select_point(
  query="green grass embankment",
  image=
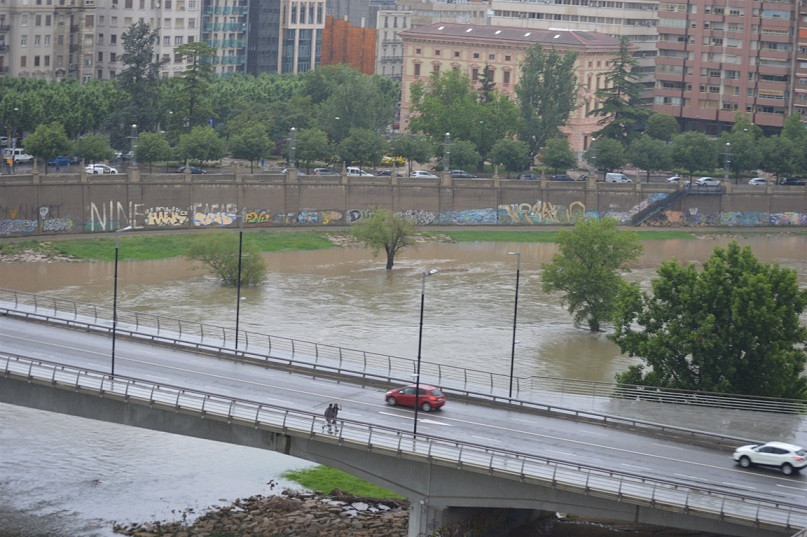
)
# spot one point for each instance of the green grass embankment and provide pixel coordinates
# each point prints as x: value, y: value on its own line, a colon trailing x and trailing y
x: 323, y: 479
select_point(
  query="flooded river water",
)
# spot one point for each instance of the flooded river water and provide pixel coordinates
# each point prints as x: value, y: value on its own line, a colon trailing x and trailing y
x: 58, y: 471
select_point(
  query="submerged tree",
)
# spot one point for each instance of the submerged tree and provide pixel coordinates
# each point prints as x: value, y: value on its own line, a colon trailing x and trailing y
x: 386, y: 230
x: 586, y: 269
x: 731, y: 328
x: 219, y: 253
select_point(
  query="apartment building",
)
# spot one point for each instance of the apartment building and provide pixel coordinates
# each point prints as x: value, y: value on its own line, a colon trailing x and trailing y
x: 800, y: 73
x: 224, y: 27
x: 470, y: 48
x: 635, y: 19
x: 389, y: 44
x: 720, y: 58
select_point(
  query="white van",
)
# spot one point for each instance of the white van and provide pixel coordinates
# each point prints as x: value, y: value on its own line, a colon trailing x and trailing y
x: 617, y: 178
x: 357, y: 171
x: 19, y: 155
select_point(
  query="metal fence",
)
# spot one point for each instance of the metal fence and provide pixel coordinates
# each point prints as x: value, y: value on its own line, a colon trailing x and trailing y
x: 744, y: 509
x: 268, y: 346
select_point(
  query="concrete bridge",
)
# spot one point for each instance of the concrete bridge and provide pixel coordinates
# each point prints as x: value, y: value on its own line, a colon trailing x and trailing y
x: 446, y: 480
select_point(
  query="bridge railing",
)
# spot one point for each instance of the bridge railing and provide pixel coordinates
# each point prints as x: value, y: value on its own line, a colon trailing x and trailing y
x: 264, y: 346
x: 744, y: 509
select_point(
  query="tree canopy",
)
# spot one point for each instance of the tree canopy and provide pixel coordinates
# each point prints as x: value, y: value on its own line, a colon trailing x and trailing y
x: 586, y: 269
x: 218, y: 252
x: 384, y: 229
x: 732, y: 327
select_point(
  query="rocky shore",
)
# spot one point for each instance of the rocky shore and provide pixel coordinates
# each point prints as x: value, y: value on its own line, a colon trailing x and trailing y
x: 337, y: 514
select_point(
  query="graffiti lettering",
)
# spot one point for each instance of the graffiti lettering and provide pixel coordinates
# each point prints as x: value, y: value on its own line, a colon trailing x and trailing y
x: 57, y: 224
x: 258, y: 218
x: 421, y: 218
x: 116, y: 217
x: 214, y: 218
x: 11, y: 227
x: 165, y: 216
x: 314, y: 216
x: 542, y: 212
x: 354, y: 215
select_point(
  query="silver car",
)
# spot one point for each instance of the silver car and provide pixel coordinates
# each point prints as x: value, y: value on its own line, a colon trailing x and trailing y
x: 787, y: 457
x: 708, y: 181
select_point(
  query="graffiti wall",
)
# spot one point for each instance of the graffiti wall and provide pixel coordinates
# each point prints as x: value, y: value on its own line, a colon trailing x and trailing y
x: 90, y: 208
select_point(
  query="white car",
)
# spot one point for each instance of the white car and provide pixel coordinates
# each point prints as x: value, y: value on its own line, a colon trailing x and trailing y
x: 708, y: 181
x: 758, y: 181
x: 674, y: 179
x: 423, y: 174
x: 787, y: 457
x: 100, y: 169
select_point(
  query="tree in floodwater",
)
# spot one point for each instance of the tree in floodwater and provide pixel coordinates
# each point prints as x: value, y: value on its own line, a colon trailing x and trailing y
x: 218, y: 252
x: 386, y: 230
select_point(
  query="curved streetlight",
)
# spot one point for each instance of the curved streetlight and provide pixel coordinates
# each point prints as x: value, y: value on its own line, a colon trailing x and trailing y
x: 115, y: 296
x: 420, y: 343
x: 292, y: 147
x: 447, y: 152
x: 241, y: 216
x: 726, y: 161
x: 515, y: 317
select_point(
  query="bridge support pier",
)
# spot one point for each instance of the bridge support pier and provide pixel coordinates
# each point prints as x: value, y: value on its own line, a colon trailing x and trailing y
x: 426, y: 518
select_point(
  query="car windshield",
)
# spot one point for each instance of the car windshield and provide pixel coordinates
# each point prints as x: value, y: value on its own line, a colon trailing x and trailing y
x: 436, y: 392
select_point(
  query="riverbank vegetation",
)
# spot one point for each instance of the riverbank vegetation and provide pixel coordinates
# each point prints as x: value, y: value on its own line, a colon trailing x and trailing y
x: 153, y: 246
x: 323, y: 479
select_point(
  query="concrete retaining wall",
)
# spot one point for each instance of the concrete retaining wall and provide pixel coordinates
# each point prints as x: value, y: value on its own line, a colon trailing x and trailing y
x: 77, y: 203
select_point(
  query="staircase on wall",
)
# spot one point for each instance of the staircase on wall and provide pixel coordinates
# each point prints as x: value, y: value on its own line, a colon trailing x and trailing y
x: 658, y: 206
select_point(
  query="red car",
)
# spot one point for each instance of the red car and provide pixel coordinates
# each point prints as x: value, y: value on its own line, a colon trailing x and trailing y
x: 430, y: 398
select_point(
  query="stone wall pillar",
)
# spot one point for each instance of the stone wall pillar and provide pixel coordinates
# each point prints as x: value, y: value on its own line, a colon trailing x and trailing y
x: 134, y: 174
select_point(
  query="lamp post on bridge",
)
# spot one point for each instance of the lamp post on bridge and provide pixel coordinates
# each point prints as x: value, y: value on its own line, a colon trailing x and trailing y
x: 115, y: 297
x: 515, y: 317
x: 726, y: 161
x: 420, y: 342
x: 241, y: 216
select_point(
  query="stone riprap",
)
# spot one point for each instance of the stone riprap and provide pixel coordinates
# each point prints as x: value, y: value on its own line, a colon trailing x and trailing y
x: 289, y: 514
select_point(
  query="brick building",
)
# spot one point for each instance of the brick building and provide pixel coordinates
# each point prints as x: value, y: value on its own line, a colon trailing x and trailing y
x: 343, y: 43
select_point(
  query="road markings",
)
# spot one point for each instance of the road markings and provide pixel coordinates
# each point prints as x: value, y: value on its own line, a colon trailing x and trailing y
x: 486, y: 439
x: 566, y: 453
x: 735, y: 485
x: 794, y: 488
x: 695, y: 478
x: 637, y: 467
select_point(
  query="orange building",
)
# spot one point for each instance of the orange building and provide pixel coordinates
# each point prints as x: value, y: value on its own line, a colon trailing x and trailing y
x: 470, y: 48
x: 343, y: 43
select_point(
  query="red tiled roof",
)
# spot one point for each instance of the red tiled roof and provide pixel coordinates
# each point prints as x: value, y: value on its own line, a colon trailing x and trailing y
x: 566, y: 39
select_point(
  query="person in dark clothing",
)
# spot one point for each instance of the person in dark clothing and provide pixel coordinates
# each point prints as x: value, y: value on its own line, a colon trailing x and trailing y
x: 334, y: 412
x: 328, y: 416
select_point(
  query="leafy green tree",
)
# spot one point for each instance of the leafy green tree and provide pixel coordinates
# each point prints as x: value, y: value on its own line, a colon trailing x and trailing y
x: 312, y: 145
x: 251, y: 144
x: 363, y: 145
x: 547, y: 95
x: 412, y: 147
x: 743, y: 151
x: 649, y: 154
x: 693, y: 151
x: 586, y: 268
x: 512, y: 154
x: 464, y: 155
x: 201, y: 144
x: 152, y: 147
x: 731, y: 328
x: 94, y: 147
x: 557, y: 155
x: 661, y: 127
x: 48, y: 141
x: 781, y: 156
x: 386, y: 230
x: 795, y: 132
x: 218, y: 252
x: 140, y: 77
x: 498, y: 119
x: 620, y: 111
x: 196, y: 106
x: 606, y: 154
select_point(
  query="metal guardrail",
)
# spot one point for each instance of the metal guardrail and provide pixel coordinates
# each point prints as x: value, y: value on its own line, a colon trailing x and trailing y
x: 507, y: 464
x: 203, y: 335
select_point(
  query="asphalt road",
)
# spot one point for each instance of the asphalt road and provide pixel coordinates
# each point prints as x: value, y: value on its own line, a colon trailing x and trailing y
x: 557, y: 438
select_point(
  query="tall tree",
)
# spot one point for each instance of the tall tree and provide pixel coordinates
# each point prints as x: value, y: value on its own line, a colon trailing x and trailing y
x: 48, y: 141
x: 363, y: 145
x: 649, y: 154
x: 201, y: 144
x: 731, y: 328
x: 693, y: 151
x: 606, y: 154
x: 312, y: 145
x: 152, y: 147
x: 386, y: 230
x: 662, y: 127
x: 219, y: 253
x: 94, y: 147
x: 547, y: 95
x: 557, y: 155
x: 140, y: 77
x: 412, y: 147
x: 512, y: 154
x: 620, y: 110
x: 487, y: 86
x: 196, y: 82
x: 586, y: 269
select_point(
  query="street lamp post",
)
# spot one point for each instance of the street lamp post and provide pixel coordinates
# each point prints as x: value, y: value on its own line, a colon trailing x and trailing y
x: 515, y: 318
x: 133, y: 136
x: 238, y: 292
x: 115, y: 296
x: 726, y: 161
x: 447, y: 153
x: 420, y: 344
x: 292, y: 146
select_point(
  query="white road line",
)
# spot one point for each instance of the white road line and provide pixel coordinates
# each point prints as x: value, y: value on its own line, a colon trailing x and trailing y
x: 637, y: 467
x: 794, y: 488
x: 396, y: 415
x: 691, y: 477
x: 560, y: 452
x: 738, y: 486
x: 486, y: 439
x: 665, y: 446
x: 426, y: 420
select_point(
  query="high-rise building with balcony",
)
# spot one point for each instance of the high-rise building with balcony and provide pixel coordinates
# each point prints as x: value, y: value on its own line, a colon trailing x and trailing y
x: 224, y: 27
x: 718, y: 59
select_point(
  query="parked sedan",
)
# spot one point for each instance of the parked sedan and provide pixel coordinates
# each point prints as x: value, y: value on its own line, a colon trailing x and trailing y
x: 708, y: 181
x: 787, y: 457
x: 100, y: 169
x: 423, y: 174
x: 560, y: 177
x: 462, y: 174
x: 792, y: 181
x: 674, y: 179
x: 192, y: 169
x: 429, y: 398
x: 528, y: 177
x: 758, y: 181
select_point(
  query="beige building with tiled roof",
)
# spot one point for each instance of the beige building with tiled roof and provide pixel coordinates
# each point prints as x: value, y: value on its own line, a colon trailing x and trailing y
x: 470, y: 47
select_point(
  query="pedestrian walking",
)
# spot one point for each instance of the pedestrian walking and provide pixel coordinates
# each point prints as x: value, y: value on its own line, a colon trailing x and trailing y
x: 328, y: 417
x: 335, y: 412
